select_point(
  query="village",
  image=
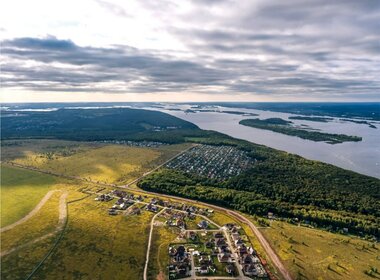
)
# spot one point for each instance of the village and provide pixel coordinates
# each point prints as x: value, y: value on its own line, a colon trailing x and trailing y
x: 214, y: 252
x: 141, y: 144
x: 202, y: 248
x: 214, y: 162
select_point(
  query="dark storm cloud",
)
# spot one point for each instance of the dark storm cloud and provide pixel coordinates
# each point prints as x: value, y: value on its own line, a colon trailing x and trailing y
x: 291, y: 48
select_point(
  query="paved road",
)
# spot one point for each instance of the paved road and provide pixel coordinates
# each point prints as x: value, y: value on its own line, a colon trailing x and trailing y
x: 61, y: 221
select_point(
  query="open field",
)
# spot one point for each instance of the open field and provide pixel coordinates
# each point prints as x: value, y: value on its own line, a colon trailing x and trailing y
x: 159, y: 258
x: 98, y: 245
x: 21, y: 190
x: 26, y: 244
x: 43, y: 222
x: 316, y: 254
x: 13, y: 149
x: 96, y: 162
x: 116, y: 244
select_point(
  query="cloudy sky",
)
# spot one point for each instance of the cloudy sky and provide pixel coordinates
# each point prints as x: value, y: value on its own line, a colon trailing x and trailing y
x: 150, y: 50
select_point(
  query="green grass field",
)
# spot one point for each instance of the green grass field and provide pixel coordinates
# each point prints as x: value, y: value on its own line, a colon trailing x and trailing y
x: 21, y: 190
x: 97, y: 162
x: 316, y: 254
x: 25, y: 238
x: 162, y: 237
x: 99, y: 246
x: 13, y: 149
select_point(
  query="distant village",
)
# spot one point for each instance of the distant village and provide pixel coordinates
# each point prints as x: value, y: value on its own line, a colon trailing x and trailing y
x: 142, y: 144
x: 214, y: 162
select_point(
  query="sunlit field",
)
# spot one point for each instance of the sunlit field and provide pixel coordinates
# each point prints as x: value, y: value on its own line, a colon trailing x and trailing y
x: 316, y: 254
x: 21, y: 190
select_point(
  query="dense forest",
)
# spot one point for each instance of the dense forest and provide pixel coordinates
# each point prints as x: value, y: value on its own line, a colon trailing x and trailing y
x: 285, y: 127
x: 95, y: 124
x: 287, y: 185
x: 312, y: 119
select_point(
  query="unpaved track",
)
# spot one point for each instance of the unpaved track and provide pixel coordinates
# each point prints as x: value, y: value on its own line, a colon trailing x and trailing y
x: 150, y: 243
x: 266, y: 246
x: 31, y: 213
x: 61, y: 221
x: 268, y: 249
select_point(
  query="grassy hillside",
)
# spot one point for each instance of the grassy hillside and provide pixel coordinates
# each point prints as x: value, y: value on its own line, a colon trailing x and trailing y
x: 18, y: 264
x: 98, y: 162
x: 21, y: 190
x: 13, y: 149
x: 316, y: 254
x: 97, y: 245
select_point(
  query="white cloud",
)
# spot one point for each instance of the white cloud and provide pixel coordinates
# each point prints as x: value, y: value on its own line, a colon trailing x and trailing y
x: 300, y: 48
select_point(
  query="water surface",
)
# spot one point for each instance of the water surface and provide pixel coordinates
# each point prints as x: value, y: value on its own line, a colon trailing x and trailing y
x: 362, y: 157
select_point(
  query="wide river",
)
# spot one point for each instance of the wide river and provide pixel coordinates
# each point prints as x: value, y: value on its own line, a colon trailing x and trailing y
x: 362, y: 157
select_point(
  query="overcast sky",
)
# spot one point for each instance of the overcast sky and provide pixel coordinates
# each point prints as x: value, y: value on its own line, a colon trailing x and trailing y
x: 121, y: 50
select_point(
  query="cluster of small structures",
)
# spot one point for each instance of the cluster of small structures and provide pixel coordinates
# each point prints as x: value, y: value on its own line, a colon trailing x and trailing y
x: 177, y: 219
x: 214, y: 252
x: 143, y: 144
x: 164, y: 128
x: 215, y: 256
x: 248, y: 260
x: 215, y: 162
x: 180, y: 262
x: 124, y: 200
x: 202, y: 247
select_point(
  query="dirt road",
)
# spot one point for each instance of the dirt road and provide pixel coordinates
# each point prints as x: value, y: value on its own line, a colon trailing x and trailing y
x: 61, y: 221
x: 271, y: 254
x: 31, y: 213
x: 150, y: 243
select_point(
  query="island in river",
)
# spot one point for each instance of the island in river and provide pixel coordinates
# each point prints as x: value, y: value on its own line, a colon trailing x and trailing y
x: 285, y: 127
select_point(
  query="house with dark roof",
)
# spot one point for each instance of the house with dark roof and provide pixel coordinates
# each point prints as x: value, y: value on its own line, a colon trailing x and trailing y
x: 203, y: 269
x: 250, y: 270
x: 230, y: 269
x: 220, y: 242
x: 224, y: 257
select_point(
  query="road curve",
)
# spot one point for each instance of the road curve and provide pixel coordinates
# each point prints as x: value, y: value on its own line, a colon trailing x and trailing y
x: 61, y: 221
x: 31, y: 213
x: 268, y: 249
x: 264, y: 243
